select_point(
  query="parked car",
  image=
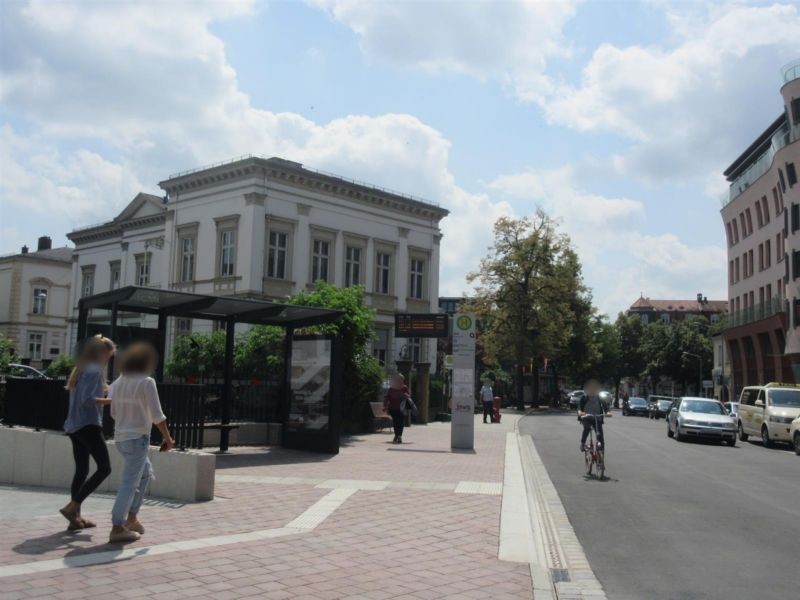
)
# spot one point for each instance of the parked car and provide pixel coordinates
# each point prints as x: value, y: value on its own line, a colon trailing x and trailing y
x: 700, y: 418
x: 18, y: 371
x: 795, y: 431
x: 575, y: 399
x: 733, y: 410
x: 658, y: 406
x: 634, y: 406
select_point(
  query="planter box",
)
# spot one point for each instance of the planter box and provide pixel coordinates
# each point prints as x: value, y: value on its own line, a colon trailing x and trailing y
x: 44, y: 458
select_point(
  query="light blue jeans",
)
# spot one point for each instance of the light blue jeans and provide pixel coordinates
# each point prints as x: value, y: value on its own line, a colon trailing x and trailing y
x: 136, y: 475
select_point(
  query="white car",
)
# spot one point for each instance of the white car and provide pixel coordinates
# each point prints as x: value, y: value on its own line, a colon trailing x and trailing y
x: 701, y: 418
x: 768, y: 411
x: 795, y: 432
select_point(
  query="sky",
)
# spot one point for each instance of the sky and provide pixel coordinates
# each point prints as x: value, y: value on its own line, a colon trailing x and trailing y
x: 617, y: 118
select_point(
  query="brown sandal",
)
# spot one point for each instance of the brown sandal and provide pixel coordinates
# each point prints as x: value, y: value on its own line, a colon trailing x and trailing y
x: 87, y: 524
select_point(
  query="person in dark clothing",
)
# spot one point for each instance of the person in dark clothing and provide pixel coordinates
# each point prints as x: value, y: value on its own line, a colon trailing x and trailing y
x: 86, y: 384
x: 396, y: 402
x: 487, y: 395
x: 591, y: 404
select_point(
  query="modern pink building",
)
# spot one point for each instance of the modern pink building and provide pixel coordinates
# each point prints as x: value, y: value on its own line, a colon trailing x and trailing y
x: 761, y: 216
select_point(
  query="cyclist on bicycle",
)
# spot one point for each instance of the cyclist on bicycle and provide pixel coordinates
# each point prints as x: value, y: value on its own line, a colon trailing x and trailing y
x: 591, y: 404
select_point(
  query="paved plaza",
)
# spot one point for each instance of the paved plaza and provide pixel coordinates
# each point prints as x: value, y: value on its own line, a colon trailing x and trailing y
x: 416, y: 521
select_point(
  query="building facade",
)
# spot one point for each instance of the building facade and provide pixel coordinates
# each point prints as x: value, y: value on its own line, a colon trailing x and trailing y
x: 269, y: 228
x: 761, y: 216
x: 34, y: 305
x: 668, y: 311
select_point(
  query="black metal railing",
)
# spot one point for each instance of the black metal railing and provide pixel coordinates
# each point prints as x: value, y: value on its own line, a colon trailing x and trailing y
x: 251, y: 402
x: 754, y: 313
x: 44, y: 403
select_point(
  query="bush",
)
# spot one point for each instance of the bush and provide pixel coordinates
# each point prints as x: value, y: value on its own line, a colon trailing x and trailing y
x: 198, y: 355
x: 61, y: 367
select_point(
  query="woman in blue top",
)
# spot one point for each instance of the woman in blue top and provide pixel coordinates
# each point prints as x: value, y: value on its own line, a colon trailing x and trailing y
x: 84, y: 423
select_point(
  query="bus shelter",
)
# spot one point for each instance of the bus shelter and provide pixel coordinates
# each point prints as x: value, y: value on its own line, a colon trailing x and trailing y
x: 311, y: 403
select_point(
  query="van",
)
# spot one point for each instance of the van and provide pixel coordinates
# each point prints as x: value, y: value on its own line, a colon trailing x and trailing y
x: 768, y: 411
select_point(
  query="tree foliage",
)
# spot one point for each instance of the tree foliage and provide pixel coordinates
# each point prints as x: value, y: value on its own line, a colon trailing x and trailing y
x: 528, y: 294
x: 61, y: 367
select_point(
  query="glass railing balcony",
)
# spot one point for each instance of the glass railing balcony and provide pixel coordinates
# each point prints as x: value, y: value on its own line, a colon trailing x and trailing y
x: 754, y: 313
x: 783, y: 137
x: 791, y: 71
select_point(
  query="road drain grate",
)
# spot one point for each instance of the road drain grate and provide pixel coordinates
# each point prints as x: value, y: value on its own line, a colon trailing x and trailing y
x: 559, y: 575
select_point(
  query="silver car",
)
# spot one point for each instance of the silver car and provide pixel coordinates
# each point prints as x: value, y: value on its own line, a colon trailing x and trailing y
x: 701, y: 418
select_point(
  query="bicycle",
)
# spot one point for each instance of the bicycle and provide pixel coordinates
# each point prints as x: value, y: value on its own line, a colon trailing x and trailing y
x: 593, y: 455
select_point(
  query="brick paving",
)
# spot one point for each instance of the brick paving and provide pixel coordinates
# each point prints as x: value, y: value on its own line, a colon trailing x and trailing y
x: 396, y: 542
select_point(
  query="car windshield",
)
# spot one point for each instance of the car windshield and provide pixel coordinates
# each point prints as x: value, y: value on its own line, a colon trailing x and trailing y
x: 787, y: 398
x: 637, y: 402
x: 702, y: 406
x: 664, y: 403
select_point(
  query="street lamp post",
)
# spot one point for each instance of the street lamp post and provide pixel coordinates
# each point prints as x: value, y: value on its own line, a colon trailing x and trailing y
x: 699, y: 369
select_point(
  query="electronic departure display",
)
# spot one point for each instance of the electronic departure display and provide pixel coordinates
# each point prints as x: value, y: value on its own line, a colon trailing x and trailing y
x: 422, y: 325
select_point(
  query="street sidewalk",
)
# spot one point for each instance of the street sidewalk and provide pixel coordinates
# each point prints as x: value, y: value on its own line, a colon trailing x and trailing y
x: 415, y: 521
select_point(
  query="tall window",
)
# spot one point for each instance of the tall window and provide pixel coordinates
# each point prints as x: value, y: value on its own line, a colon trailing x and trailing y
x: 320, y: 259
x: 276, y: 256
x: 143, y: 269
x: 187, y: 245
x: 414, y: 350
x: 227, y: 253
x: 87, y: 282
x: 114, y: 274
x: 380, y: 345
x: 35, y: 345
x: 39, y: 301
x: 352, y: 266
x: 417, y: 278
x: 183, y: 327
x: 383, y: 264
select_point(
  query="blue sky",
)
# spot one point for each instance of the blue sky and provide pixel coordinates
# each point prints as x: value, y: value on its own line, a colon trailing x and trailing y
x: 616, y: 117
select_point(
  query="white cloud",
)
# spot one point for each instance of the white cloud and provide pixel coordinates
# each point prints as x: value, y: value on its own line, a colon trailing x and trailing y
x: 687, y: 108
x: 509, y: 41
x: 618, y: 262
x: 159, y: 98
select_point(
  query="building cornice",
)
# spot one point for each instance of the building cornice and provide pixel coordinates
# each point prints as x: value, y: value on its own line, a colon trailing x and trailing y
x: 114, y: 229
x: 293, y: 174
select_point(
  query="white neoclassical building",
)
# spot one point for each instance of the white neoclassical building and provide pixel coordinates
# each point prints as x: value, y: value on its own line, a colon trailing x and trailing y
x: 35, y: 301
x: 267, y: 228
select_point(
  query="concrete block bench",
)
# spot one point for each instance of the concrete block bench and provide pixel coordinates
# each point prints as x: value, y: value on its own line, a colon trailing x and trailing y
x: 44, y: 458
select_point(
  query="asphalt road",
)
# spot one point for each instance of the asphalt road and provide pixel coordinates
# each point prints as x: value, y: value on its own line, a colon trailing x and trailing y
x: 678, y: 520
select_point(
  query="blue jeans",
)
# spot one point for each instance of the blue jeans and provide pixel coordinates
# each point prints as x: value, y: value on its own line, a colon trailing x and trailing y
x: 136, y: 474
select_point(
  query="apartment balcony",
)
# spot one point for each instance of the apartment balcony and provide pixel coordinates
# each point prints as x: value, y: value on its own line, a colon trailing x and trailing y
x: 754, y: 313
x: 791, y: 71
x: 783, y: 137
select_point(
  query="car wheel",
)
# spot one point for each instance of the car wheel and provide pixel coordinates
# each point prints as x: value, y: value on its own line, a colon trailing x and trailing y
x: 731, y: 442
x: 669, y: 431
x: 765, y: 437
x: 678, y: 437
x: 797, y: 443
x: 742, y: 435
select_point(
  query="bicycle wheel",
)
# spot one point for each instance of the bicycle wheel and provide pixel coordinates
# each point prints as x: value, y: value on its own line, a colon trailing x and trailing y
x: 601, y: 464
x: 588, y: 457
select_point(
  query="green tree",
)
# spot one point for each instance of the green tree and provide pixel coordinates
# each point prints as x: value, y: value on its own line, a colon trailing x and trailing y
x: 199, y: 355
x: 258, y: 353
x: 5, y: 353
x: 528, y: 285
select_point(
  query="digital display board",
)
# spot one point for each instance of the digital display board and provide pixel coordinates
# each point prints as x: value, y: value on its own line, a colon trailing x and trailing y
x: 421, y: 325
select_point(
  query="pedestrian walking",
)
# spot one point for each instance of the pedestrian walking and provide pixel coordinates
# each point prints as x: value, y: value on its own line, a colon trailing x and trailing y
x: 487, y: 395
x: 396, y: 402
x: 135, y: 407
x: 84, y: 426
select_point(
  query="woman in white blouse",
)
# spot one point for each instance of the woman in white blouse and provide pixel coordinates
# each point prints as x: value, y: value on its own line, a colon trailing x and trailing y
x: 135, y: 407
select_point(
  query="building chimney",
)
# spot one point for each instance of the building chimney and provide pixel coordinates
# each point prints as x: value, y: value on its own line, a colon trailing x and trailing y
x: 24, y: 249
x: 45, y: 243
x: 699, y: 298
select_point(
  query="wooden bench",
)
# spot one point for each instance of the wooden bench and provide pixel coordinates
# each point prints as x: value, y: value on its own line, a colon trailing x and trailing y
x: 380, y: 418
